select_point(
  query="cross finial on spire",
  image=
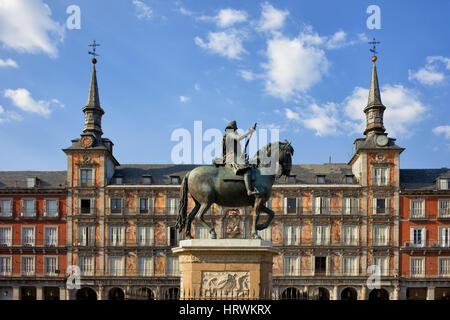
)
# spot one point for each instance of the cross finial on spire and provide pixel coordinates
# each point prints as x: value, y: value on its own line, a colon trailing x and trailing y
x: 94, y: 45
x: 373, y: 49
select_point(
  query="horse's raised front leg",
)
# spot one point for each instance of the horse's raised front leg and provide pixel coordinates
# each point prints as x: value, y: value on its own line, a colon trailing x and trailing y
x: 203, y: 208
x: 271, y: 214
x: 256, y: 212
x: 191, y: 217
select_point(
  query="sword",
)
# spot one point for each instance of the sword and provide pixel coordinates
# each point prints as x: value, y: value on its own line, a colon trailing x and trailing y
x: 246, y: 143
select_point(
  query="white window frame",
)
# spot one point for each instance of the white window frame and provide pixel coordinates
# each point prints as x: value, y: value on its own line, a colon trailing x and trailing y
x: 56, y: 240
x: 3, y: 211
x: 116, y: 265
x: 414, y: 236
x: 321, y: 205
x: 291, y: 265
x: 122, y: 206
x: 145, y: 235
x: 383, y: 264
x: 46, y: 272
x: 387, y: 206
x: 143, y: 271
x: 350, y: 235
x: 172, y: 268
x: 297, y: 202
x: 8, y: 237
x: 91, y: 206
x: 444, y: 208
x: 417, y: 264
x: 444, y: 236
x: 321, y: 234
x: 266, y: 234
x: 25, y: 213
x: 86, y: 235
x: 291, y: 235
x: 444, y: 265
x: 350, y: 205
x: 443, y: 184
x: 23, y: 242
x: 201, y: 232
x: 33, y: 265
x: 350, y: 266
x: 380, y: 176
x: 46, y: 207
x: 86, y: 264
x: 172, y: 205
x: 116, y: 236
x: 417, y: 208
x: 379, y: 236
x: 8, y: 268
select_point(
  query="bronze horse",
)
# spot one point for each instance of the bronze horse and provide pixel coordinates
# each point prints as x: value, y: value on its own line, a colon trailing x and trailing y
x: 219, y: 185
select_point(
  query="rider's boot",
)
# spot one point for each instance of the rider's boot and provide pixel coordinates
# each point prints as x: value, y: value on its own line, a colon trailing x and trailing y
x: 249, y: 186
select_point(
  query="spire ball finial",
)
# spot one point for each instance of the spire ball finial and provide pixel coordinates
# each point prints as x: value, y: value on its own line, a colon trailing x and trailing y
x: 374, y: 58
x: 94, y: 61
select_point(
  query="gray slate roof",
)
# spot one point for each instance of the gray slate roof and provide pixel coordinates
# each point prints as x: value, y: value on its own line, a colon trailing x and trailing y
x: 47, y: 179
x: 421, y: 179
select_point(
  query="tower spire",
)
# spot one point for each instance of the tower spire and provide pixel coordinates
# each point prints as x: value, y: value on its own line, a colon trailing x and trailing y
x: 92, y: 111
x: 375, y: 109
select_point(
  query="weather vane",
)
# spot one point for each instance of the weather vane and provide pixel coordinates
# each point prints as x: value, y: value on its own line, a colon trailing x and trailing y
x: 373, y: 49
x: 93, y: 53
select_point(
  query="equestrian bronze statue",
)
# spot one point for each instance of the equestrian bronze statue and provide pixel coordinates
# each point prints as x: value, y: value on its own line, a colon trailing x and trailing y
x: 226, y: 186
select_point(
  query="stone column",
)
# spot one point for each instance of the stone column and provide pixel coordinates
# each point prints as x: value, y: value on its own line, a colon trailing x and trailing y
x: 39, y: 293
x: 363, y: 293
x: 63, y: 293
x: 430, y: 293
x: 335, y: 293
x: 100, y: 293
x: 16, y: 293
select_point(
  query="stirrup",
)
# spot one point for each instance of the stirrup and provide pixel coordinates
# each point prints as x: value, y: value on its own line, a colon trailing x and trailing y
x: 253, y: 193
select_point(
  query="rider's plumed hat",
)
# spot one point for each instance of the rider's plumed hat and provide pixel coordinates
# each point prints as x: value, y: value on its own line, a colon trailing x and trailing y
x: 231, y: 125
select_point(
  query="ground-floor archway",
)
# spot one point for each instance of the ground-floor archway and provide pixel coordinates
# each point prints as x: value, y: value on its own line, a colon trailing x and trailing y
x: 143, y: 294
x: 416, y: 294
x: 379, y: 295
x: 28, y: 293
x: 116, y: 294
x: 86, y: 293
x: 291, y: 293
x: 442, y: 294
x: 349, y: 294
x: 320, y: 293
x: 6, y: 293
x: 51, y: 293
x: 172, y: 294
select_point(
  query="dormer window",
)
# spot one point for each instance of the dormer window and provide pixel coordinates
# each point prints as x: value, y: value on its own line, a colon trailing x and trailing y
x: 443, y: 184
x: 147, y: 179
x: 349, y: 179
x: 119, y: 180
x: 174, y: 180
x: 32, y: 182
x: 320, y: 179
x: 291, y: 179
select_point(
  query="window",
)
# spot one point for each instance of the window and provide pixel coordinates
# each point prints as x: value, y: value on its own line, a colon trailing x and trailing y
x: 116, y: 265
x: 418, y: 236
x: 350, y: 266
x: 201, y: 232
x: 266, y: 234
x: 292, y: 179
x: 349, y: 179
x: 320, y: 179
x: 417, y: 267
x: 175, y: 180
x: 147, y: 180
x: 86, y: 236
x: 145, y: 205
x: 28, y: 207
x: 290, y: 235
x: 444, y: 208
x: 5, y: 266
x: 86, y: 264
x: 172, y: 266
x: 86, y: 206
x: 380, y: 177
x: 381, y: 206
x: 116, y: 206
x: 27, y: 266
x: 116, y: 236
x: 380, y: 236
x: 145, y: 266
x: 51, y: 208
x: 417, y: 209
x: 28, y: 236
x: 172, y: 206
x: 350, y: 205
x: 350, y: 235
x: 444, y: 237
x: 5, y: 208
x: 51, y: 236
x: 444, y: 267
x: 5, y: 236
x: 291, y: 205
x: 290, y: 265
x: 443, y: 184
x: 320, y: 265
x: 321, y: 205
x: 86, y: 177
x: 382, y: 263
x: 119, y: 180
x: 50, y: 265
x: 145, y: 235
x: 321, y: 235
x: 172, y: 239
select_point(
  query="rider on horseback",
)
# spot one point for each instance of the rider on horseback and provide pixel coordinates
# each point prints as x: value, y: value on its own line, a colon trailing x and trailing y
x: 233, y: 156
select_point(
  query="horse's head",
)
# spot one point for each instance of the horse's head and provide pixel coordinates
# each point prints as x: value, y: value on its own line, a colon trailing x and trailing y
x: 286, y: 152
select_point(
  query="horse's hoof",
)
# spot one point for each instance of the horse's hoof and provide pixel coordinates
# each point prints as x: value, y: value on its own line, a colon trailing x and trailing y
x: 213, y: 235
x: 189, y: 237
x: 255, y: 236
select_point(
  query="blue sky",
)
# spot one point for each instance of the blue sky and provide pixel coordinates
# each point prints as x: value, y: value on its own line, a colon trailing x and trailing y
x: 300, y: 66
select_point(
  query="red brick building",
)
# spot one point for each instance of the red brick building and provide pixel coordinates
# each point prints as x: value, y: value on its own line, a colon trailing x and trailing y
x: 32, y: 235
x: 425, y: 234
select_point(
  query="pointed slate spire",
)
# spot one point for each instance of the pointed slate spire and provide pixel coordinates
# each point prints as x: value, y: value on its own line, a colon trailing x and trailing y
x: 92, y: 111
x: 375, y: 109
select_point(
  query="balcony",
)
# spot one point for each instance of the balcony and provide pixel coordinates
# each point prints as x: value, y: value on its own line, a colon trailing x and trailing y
x: 326, y: 211
x: 418, y: 214
x: 444, y: 214
x: 425, y: 245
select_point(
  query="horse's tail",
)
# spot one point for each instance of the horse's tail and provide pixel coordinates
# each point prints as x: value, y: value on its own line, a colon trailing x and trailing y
x: 182, y: 208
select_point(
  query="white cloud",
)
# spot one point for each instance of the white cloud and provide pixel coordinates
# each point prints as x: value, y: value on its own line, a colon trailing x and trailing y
x: 271, y: 19
x: 323, y: 120
x: 143, y: 11
x: 293, y: 66
x: 8, y: 63
x: 432, y: 73
x: 247, y: 75
x: 184, y: 99
x: 228, y: 17
x: 291, y: 115
x: 225, y: 43
x: 339, y: 40
x: 26, y: 26
x: 445, y: 130
x: 197, y: 87
x: 6, y: 116
x: 21, y: 98
x: 403, y: 109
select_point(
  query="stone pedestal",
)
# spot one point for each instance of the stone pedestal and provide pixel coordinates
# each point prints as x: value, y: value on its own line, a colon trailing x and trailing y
x: 225, y: 268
